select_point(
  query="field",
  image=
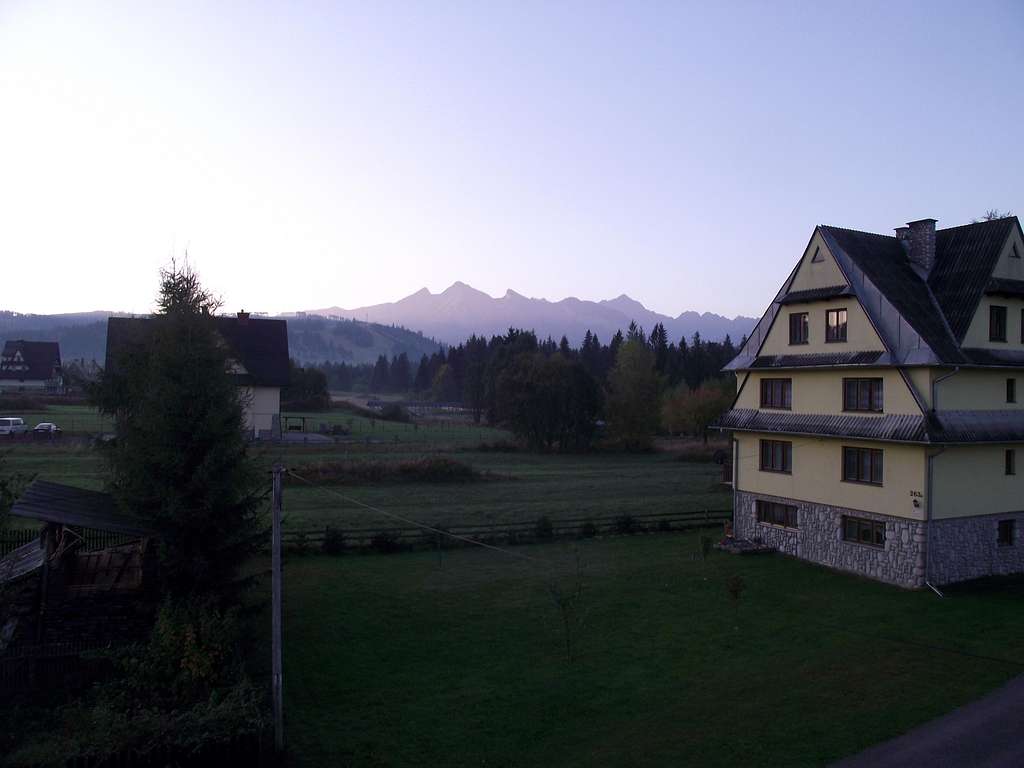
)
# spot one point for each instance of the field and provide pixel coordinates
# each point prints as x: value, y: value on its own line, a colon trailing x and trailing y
x: 461, y: 658
x: 402, y: 660
x: 517, y: 486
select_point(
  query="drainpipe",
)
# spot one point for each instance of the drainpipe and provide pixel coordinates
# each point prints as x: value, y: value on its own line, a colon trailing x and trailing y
x: 928, y: 522
x: 735, y: 480
x: 930, y: 483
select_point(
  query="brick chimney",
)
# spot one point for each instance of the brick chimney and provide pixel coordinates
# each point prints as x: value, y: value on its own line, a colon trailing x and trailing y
x: 918, y: 237
x: 243, y: 317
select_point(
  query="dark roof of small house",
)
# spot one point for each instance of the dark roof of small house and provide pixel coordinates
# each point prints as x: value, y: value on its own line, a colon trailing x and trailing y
x: 41, y: 357
x: 260, y: 345
x: 818, y: 360
x: 978, y: 426
x: 67, y: 505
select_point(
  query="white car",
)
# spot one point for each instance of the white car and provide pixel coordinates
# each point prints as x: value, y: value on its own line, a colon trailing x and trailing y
x: 12, y: 425
x: 46, y: 428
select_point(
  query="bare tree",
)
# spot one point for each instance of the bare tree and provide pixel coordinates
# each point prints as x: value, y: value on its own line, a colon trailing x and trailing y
x: 993, y: 214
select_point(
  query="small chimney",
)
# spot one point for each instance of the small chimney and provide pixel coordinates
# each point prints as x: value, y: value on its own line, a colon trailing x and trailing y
x: 920, y: 236
x: 243, y: 317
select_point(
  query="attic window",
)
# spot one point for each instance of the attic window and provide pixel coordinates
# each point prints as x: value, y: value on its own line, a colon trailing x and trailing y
x: 1013, y: 254
x: 996, y: 323
x: 818, y: 257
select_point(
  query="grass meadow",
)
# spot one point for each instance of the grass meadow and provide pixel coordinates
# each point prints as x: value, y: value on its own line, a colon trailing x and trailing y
x: 404, y: 660
x: 460, y: 658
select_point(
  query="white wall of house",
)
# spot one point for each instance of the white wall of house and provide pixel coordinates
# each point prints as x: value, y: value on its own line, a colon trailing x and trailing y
x: 261, y: 405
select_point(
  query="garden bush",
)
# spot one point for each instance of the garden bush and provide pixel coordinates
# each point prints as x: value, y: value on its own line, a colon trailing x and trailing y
x: 625, y: 524
x: 386, y: 542
x: 334, y: 542
x: 543, y: 529
x: 588, y: 530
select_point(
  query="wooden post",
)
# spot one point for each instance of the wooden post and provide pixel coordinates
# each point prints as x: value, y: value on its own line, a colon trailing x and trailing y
x: 275, y: 544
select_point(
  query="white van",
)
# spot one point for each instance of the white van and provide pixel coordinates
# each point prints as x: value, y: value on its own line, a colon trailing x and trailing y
x: 12, y: 425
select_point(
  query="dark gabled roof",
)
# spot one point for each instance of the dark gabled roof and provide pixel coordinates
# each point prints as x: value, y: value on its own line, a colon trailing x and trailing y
x: 67, y: 505
x: 894, y: 427
x: 964, y: 259
x: 42, y: 359
x: 816, y: 294
x: 1003, y: 286
x: 260, y: 345
x: 816, y: 360
x: 884, y: 262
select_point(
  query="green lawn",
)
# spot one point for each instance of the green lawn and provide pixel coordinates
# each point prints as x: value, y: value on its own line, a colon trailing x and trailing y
x: 525, y: 486
x: 397, y: 660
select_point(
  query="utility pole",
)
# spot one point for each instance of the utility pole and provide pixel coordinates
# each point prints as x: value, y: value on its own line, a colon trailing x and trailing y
x: 275, y: 558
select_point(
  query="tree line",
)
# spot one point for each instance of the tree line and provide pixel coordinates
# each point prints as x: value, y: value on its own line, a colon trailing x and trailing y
x: 552, y: 394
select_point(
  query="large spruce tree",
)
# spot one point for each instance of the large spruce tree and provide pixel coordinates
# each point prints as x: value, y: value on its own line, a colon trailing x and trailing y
x: 181, y: 458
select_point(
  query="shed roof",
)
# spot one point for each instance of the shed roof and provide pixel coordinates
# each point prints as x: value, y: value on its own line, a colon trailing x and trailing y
x: 67, y: 505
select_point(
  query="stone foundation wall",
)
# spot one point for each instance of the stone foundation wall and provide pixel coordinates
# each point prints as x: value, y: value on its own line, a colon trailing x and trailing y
x: 966, y: 548
x: 819, y: 539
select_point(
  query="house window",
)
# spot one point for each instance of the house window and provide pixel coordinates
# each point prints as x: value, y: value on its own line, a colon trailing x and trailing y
x: 798, y: 328
x: 996, y: 323
x: 817, y: 257
x: 835, y: 325
x: 862, y: 465
x: 1011, y: 461
x: 1013, y: 254
x: 773, y: 513
x: 1011, y: 390
x: 1004, y: 538
x: 776, y: 456
x: 862, y: 395
x: 864, y: 531
x: 777, y: 393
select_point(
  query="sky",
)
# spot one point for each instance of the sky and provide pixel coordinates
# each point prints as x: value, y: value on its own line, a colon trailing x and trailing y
x: 309, y: 155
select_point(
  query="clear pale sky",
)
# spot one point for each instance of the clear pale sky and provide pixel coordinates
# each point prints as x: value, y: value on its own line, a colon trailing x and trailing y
x: 318, y: 154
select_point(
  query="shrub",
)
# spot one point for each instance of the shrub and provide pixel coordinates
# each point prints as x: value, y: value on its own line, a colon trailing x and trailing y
x: 588, y: 530
x: 386, y: 542
x: 436, y: 469
x: 498, y: 446
x: 394, y: 412
x: 664, y: 525
x: 625, y: 524
x: 301, y: 542
x: 543, y: 529
x: 334, y: 542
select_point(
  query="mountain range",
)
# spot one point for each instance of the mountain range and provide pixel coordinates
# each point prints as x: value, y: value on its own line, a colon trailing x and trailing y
x: 461, y: 310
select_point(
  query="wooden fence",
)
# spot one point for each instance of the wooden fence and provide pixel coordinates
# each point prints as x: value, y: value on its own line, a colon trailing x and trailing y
x: 11, y: 539
x: 393, y: 539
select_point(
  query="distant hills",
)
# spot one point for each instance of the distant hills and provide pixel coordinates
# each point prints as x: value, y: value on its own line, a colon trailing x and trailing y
x: 310, y: 339
x: 461, y: 310
x: 360, y: 335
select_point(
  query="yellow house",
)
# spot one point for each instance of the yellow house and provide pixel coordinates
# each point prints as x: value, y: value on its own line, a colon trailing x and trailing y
x: 878, y: 416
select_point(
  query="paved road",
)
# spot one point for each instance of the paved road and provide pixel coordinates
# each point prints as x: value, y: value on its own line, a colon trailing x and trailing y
x: 987, y: 733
